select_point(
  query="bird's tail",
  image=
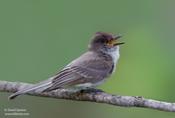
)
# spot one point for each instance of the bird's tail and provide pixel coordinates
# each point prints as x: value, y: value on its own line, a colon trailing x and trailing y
x: 37, y: 87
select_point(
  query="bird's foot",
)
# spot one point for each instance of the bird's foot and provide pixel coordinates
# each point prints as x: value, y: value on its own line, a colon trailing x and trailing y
x: 91, y: 90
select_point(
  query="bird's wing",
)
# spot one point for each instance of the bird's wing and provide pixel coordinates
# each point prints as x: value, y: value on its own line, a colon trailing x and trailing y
x: 90, y: 70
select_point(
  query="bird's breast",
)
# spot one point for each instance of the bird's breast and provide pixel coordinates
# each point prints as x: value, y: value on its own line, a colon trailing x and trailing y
x: 115, y: 56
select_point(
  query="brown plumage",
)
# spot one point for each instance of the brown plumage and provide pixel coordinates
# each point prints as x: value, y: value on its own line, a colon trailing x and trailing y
x: 89, y: 70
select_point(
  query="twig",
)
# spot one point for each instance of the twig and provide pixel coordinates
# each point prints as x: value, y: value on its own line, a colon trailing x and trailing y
x: 98, y: 97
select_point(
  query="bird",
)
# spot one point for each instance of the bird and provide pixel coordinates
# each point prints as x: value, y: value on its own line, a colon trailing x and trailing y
x: 89, y: 70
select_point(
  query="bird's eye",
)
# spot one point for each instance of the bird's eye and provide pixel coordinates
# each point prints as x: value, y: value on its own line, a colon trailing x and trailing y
x: 101, y: 40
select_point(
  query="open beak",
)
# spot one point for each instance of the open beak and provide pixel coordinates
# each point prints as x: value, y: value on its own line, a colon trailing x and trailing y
x: 115, y: 41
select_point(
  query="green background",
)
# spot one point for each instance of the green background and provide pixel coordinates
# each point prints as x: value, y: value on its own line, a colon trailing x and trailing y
x: 39, y: 37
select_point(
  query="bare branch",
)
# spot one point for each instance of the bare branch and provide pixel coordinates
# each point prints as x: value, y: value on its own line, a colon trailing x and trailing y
x: 98, y: 97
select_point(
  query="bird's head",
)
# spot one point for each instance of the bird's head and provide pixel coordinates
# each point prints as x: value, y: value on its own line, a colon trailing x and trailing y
x: 105, y: 42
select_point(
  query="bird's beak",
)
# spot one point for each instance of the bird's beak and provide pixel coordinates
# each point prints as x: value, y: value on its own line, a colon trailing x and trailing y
x: 115, y: 40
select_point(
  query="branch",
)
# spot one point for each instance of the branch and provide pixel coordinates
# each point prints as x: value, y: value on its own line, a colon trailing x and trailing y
x: 98, y: 97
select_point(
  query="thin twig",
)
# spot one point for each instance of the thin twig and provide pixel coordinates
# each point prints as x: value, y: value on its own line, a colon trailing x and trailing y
x: 98, y: 97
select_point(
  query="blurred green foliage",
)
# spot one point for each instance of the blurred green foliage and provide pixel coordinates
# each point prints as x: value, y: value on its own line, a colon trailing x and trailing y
x: 39, y: 37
